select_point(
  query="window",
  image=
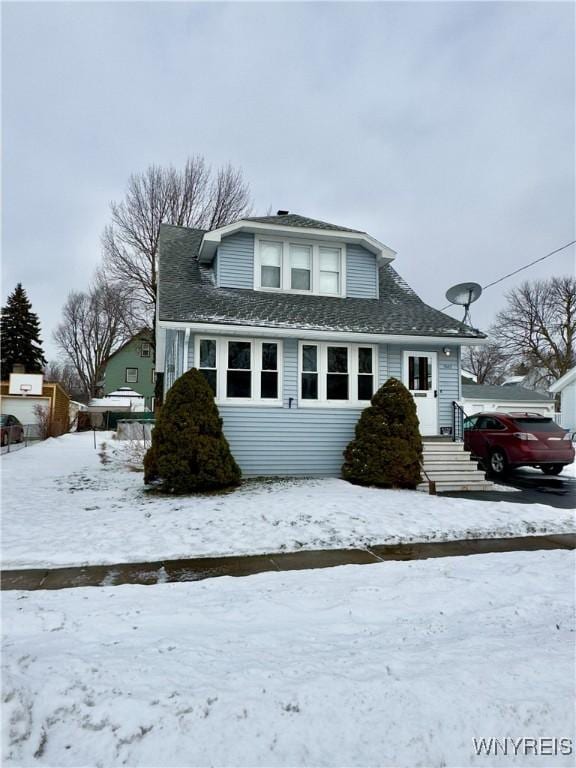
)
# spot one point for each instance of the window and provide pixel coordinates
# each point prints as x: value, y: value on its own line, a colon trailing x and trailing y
x: 419, y: 373
x: 207, y: 362
x: 145, y: 349
x: 365, y: 373
x: 241, y: 370
x: 270, y: 264
x: 239, y: 373
x: 131, y: 375
x: 309, y: 372
x: 336, y: 374
x: 269, y: 372
x: 153, y: 377
x: 330, y: 271
x: 300, y: 267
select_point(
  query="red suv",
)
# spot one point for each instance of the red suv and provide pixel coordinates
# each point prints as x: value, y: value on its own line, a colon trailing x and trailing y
x: 503, y: 440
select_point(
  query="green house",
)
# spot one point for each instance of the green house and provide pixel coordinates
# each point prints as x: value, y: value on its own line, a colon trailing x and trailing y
x: 132, y: 365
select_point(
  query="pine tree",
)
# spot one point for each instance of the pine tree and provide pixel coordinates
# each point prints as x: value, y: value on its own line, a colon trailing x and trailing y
x: 189, y: 452
x: 387, y: 448
x: 20, y: 335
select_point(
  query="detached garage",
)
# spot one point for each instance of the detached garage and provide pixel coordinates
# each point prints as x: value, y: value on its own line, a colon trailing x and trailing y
x: 50, y: 396
x: 512, y: 398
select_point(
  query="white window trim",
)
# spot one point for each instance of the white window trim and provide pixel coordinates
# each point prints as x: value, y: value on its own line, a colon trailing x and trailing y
x: 285, y: 274
x: 256, y: 370
x: 353, y: 372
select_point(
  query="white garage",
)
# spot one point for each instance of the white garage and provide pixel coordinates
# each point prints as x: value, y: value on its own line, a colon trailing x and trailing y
x: 23, y: 407
x: 511, y: 398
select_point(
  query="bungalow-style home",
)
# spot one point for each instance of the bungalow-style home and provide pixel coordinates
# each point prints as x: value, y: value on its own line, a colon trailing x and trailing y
x: 511, y: 397
x: 566, y: 388
x: 131, y: 366
x: 295, y: 323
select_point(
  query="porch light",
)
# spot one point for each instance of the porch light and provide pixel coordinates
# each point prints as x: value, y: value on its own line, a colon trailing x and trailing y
x: 447, y: 351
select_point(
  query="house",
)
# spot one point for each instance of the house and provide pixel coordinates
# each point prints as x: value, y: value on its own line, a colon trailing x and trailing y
x: 566, y: 388
x: 505, y: 398
x: 295, y: 323
x: 131, y: 365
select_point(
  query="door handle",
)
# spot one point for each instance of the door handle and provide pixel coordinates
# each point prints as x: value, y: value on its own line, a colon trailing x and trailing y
x: 435, y: 393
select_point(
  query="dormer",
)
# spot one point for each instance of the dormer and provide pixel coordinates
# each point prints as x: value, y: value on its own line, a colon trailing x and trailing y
x: 287, y: 253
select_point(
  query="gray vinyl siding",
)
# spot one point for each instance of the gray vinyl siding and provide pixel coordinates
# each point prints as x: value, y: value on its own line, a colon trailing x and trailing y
x: 287, y: 441
x: 361, y: 273
x: 235, y: 265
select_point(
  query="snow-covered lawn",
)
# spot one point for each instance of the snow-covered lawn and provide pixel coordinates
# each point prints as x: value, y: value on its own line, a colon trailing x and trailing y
x: 63, y: 506
x: 394, y: 664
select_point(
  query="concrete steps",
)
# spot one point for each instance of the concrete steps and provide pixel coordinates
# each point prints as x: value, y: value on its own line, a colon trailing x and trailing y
x: 450, y: 467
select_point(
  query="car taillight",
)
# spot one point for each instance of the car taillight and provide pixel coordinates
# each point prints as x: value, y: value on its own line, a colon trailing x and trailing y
x: 525, y: 436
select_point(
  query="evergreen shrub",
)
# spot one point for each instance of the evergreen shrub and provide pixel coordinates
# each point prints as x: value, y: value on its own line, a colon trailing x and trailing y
x: 189, y: 452
x: 387, y: 448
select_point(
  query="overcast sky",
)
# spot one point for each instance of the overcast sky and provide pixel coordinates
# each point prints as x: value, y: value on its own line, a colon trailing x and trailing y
x: 445, y: 130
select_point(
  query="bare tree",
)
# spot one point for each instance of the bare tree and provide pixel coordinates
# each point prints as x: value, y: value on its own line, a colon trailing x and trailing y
x: 65, y: 374
x: 488, y: 363
x: 94, y: 324
x: 192, y: 197
x: 537, y: 328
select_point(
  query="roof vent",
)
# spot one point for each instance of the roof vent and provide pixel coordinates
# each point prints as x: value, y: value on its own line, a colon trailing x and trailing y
x: 282, y: 213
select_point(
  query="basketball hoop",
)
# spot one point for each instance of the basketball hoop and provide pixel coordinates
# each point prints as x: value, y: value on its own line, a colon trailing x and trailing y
x: 25, y: 388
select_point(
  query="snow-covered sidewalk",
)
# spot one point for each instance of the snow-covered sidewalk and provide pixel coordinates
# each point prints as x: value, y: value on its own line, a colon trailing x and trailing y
x: 63, y: 506
x: 395, y: 664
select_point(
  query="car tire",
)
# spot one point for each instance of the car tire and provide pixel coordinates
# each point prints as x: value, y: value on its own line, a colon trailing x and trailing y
x: 552, y: 469
x: 497, y: 463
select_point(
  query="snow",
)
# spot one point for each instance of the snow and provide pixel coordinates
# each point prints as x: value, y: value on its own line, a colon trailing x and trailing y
x: 64, y: 506
x: 394, y: 664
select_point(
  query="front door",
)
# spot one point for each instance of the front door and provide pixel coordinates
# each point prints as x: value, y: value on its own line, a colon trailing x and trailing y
x: 420, y: 377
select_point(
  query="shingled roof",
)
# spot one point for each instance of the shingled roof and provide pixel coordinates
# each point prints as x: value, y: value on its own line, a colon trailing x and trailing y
x: 188, y: 293
x: 294, y: 220
x: 512, y: 393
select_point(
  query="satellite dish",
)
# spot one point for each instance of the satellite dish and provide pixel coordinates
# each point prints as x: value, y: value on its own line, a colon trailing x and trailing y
x: 463, y: 295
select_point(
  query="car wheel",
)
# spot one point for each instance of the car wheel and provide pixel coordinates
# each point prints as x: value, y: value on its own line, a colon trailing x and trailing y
x: 552, y: 469
x: 498, y: 463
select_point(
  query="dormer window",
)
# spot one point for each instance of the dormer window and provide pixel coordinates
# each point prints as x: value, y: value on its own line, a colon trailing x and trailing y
x: 294, y: 266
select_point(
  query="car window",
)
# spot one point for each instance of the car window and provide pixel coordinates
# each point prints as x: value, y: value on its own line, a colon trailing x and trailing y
x: 470, y: 422
x: 3, y: 420
x: 534, y: 424
x: 489, y: 422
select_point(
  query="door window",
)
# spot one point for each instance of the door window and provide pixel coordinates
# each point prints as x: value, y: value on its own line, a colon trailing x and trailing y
x: 419, y: 373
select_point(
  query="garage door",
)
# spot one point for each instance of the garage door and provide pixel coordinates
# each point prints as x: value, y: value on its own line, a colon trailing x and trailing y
x: 23, y: 407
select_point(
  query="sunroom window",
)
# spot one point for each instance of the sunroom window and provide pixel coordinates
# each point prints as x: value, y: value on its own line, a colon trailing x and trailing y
x: 337, y: 373
x: 241, y: 370
x: 207, y: 364
x: 333, y: 374
x: 239, y: 374
x: 269, y: 372
x: 310, y: 372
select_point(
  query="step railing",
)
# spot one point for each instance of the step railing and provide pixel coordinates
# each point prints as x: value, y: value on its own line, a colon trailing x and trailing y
x: 458, y: 417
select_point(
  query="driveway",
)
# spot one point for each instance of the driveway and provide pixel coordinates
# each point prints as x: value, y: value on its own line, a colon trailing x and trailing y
x: 532, y: 487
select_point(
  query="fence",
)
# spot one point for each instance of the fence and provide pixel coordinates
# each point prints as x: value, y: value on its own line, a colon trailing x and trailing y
x: 19, y: 436
x: 135, y: 429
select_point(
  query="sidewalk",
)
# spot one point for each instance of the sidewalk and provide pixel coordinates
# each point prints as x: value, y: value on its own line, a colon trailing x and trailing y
x: 196, y: 569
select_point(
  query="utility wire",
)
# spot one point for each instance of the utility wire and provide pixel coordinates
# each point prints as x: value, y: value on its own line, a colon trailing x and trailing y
x: 510, y: 274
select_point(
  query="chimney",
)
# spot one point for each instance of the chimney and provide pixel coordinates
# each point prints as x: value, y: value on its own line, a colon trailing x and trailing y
x: 282, y: 213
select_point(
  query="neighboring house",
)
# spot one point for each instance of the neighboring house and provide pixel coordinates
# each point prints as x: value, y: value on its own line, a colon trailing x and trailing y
x: 132, y: 365
x: 295, y: 323
x: 491, y: 397
x: 566, y: 388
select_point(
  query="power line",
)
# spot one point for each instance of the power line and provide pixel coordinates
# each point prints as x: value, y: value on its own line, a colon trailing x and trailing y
x: 510, y: 274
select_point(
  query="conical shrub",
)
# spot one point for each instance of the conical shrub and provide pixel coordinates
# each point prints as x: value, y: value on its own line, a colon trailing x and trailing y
x: 387, y: 448
x: 189, y: 452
